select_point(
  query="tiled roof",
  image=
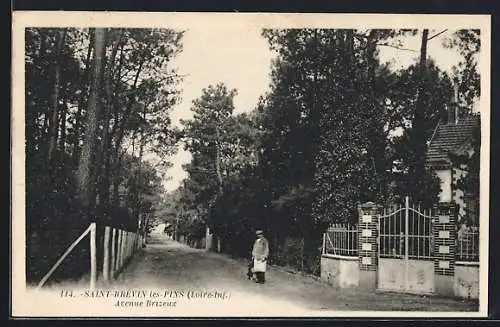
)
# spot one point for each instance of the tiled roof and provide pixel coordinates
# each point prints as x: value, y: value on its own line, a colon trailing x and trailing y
x: 449, y: 138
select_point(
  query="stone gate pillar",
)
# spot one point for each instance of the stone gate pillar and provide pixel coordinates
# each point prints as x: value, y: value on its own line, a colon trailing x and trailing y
x: 444, y: 232
x: 367, y: 245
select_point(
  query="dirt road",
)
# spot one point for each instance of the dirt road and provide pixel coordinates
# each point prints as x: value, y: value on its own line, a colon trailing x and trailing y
x: 175, y: 266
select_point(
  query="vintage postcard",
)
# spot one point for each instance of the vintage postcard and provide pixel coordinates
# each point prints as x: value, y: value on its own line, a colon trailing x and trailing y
x: 249, y: 165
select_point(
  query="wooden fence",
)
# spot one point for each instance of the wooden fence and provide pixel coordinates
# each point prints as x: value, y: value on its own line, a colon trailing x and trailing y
x: 110, y: 250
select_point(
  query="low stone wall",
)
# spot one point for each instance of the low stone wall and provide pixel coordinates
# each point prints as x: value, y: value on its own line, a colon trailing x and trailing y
x: 466, y: 281
x: 340, y: 271
x: 343, y: 271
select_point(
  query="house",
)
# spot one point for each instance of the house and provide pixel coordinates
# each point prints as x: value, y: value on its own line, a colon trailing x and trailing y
x: 453, y: 136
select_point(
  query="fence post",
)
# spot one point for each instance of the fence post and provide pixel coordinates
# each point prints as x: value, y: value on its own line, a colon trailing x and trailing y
x: 93, y: 255
x: 444, y: 232
x: 113, y: 253
x: 131, y: 244
x: 125, y: 248
x: 134, y: 236
x: 119, y: 251
x: 122, y: 253
x: 323, y: 250
x: 105, y: 265
x: 127, y: 241
x: 128, y: 245
x: 124, y: 241
x: 367, y: 245
x: 134, y: 246
x: 125, y: 252
x: 407, y: 230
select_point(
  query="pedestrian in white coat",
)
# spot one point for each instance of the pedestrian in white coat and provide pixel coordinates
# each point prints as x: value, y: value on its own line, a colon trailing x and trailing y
x: 260, y: 253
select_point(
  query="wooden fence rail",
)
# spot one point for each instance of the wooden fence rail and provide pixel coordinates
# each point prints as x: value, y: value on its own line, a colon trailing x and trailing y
x: 118, y: 247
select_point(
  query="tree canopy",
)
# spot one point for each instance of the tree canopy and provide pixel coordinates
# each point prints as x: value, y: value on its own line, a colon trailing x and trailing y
x: 337, y: 127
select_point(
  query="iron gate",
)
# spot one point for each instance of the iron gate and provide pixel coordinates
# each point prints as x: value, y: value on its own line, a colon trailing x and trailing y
x: 405, y: 249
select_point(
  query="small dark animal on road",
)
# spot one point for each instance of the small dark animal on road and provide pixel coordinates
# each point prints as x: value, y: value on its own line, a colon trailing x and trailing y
x: 250, y: 273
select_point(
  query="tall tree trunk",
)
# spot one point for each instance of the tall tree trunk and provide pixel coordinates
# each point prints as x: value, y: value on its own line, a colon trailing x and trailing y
x: 217, y: 161
x: 139, y: 177
x: 33, y: 115
x: 220, y: 184
x: 105, y: 159
x: 417, y: 162
x: 106, y: 144
x: 117, y: 165
x: 81, y: 100
x: 120, y: 129
x: 316, y: 109
x: 315, y: 130
x: 62, y: 128
x: 85, y: 165
x: 137, y: 196
x: 376, y: 135
x: 53, y: 125
x: 45, y: 102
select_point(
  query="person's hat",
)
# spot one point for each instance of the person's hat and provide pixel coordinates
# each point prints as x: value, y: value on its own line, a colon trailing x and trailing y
x: 259, y: 232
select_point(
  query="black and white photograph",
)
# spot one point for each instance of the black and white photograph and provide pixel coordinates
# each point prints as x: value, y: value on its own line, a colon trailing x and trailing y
x: 249, y: 165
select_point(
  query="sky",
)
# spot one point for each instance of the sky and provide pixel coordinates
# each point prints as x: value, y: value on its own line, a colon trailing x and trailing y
x: 241, y: 59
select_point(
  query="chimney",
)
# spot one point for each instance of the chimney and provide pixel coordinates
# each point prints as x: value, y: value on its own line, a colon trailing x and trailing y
x: 453, y: 108
x: 455, y: 103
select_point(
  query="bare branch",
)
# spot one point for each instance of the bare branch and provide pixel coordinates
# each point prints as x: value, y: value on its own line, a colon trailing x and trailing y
x: 396, y: 47
x: 437, y: 34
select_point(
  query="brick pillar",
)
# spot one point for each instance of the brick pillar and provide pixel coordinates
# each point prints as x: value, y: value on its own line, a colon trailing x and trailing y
x: 444, y: 232
x: 367, y: 245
